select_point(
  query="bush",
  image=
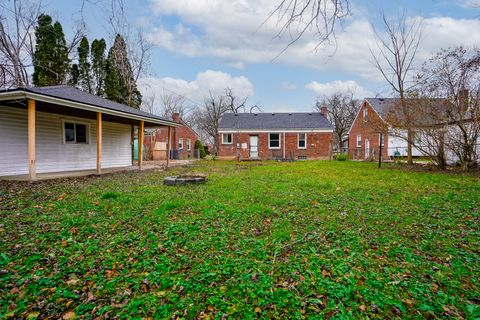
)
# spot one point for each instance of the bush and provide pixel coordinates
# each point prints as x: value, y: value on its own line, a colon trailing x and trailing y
x: 199, y: 145
x: 341, y: 157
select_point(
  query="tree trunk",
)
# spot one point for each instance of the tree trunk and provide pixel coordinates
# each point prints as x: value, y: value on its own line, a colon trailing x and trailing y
x: 409, y: 146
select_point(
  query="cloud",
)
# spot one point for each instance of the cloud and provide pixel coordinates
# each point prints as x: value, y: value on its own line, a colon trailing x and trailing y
x: 332, y: 87
x: 288, y: 86
x: 235, y: 32
x: 199, y: 88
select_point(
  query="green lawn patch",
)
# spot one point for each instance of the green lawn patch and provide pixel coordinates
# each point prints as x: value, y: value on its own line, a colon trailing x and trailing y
x: 319, y: 240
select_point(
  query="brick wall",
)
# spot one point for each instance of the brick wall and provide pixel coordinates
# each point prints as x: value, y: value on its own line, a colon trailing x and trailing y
x: 318, y: 146
x: 368, y: 128
x: 184, y: 132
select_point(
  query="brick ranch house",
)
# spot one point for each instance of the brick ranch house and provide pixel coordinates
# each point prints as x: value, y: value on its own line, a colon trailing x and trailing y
x: 60, y: 129
x: 294, y: 136
x: 183, y: 141
x: 364, y: 134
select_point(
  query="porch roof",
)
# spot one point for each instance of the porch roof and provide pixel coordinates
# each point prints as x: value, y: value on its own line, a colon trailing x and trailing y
x: 67, y: 96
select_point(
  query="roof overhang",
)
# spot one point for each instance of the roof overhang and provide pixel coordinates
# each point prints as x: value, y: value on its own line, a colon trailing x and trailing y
x: 21, y: 94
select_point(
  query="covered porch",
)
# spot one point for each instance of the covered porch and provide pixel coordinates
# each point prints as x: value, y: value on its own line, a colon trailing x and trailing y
x: 61, y: 131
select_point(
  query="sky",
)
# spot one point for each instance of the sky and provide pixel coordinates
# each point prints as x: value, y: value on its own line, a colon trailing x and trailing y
x: 203, y: 46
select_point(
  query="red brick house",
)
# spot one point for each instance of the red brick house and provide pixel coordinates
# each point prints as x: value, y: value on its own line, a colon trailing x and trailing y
x: 364, y: 134
x: 293, y: 136
x: 183, y: 141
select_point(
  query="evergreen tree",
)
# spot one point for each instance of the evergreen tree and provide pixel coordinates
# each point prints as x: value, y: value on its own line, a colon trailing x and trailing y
x: 98, y: 66
x: 198, y: 145
x: 84, y: 67
x: 50, y: 59
x: 112, y: 84
x: 120, y: 84
x: 74, y: 75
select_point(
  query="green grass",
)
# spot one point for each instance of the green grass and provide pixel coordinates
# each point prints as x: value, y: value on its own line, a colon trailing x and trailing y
x: 338, y: 240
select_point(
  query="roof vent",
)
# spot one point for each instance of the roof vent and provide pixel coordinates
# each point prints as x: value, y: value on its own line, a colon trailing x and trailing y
x: 235, y: 114
x: 309, y: 114
x: 381, y: 99
x: 255, y: 114
x: 273, y: 114
x: 289, y: 114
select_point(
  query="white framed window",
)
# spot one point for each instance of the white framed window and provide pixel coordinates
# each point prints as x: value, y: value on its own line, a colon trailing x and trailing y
x: 180, y: 144
x: 359, y: 140
x: 76, y: 132
x: 302, y: 141
x: 381, y: 139
x: 189, y: 144
x: 227, y: 138
x: 365, y: 114
x: 274, y: 141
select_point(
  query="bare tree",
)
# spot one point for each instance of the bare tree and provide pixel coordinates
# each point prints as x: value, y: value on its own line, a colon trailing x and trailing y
x: 171, y: 103
x: 454, y: 76
x: 394, y: 57
x: 342, y: 109
x: 207, y: 117
x: 296, y: 17
x: 17, y: 40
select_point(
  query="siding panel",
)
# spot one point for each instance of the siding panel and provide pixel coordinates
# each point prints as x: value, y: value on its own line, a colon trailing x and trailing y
x: 52, y: 154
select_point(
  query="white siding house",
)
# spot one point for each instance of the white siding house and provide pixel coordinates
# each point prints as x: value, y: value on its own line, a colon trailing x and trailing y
x: 64, y: 125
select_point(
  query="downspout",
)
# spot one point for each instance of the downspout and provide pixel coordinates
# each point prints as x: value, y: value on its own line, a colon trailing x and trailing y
x: 283, y: 145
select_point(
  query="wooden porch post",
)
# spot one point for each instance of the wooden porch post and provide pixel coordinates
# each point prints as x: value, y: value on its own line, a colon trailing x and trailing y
x: 31, y: 140
x: 132, y: 143
x: 169, y: 144
x: 140, y: 144
x: 99, y: 142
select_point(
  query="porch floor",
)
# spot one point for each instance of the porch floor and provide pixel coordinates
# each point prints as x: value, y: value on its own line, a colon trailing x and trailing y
x: 147, y: 165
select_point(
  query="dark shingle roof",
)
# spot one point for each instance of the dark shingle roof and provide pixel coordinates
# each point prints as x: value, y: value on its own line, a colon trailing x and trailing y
x: 258, y: 121
x: 427, y: 111
x: 75, y: 95
x: 383, y: 105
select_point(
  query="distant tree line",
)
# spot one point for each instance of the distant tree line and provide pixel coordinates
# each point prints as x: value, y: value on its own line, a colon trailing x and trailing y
x: 108, y: 76
x: 31, y: 39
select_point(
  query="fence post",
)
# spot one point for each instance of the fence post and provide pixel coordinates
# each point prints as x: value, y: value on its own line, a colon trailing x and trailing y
x: 380, y: 153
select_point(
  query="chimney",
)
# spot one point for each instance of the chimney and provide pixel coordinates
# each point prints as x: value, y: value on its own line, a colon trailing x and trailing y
x: 176, y: 117
x: 324, y: 111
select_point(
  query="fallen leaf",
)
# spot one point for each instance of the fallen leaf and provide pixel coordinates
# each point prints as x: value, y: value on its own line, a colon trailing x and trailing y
x: 362, y: 307
x: 69, y: 315
x: 258, y: 310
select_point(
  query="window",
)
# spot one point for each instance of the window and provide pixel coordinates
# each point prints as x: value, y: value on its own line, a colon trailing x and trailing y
x: 302, y: 141
x: 227, y: 138
x: 180, y: 143
x: 381, y: 139
x: 365, y: 114
x: 75, y: 132
x: 359, y: 141
x: 189, y: 144
x: 274, y: 140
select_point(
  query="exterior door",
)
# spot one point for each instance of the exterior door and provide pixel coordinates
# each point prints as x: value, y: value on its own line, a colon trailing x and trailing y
x: 367, y: 149
x: 253, y: 147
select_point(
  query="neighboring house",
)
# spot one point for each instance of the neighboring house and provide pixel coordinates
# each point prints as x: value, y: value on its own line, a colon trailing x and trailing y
x: 274, y: 136
x: 364, y: 134
x: 56, y: 129
x: 183, y: 141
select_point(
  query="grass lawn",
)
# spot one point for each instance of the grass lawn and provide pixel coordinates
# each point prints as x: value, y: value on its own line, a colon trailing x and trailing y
x: 258, y: 240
